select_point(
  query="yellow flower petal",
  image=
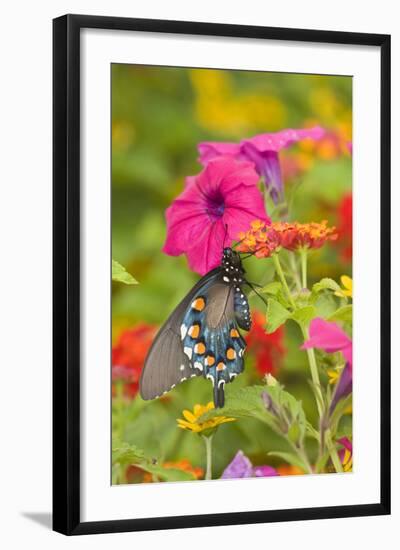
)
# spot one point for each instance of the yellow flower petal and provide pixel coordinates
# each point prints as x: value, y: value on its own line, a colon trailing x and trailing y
x: 347, y: 282
x: 189, y: 416
x: 198, y: 410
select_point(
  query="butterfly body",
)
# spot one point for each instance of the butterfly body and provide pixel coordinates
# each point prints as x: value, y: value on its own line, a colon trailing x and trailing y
x: 201, y: 337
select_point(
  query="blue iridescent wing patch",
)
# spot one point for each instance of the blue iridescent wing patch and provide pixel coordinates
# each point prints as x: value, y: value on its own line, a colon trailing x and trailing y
x: 210, y: 334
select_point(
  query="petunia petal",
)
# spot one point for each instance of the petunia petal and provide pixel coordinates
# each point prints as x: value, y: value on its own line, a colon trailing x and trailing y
x: 268, y: 166
x: 210, y: 150
x: 279, y: 140
x: 327, y: 336
x: 206, y: 252
x: 343, y: 387
x: 264, y: 471
x: 239, y: 467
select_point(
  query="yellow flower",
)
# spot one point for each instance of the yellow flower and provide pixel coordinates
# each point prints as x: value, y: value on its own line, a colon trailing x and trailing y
x: 191, y: 419
x: 333, y: 376
x: 347, y: 290
x: 347, y: 461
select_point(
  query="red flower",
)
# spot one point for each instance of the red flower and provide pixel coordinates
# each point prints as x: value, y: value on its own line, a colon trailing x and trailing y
x: 267, y: 348
x: 128, y: 355
x: 345, y: 227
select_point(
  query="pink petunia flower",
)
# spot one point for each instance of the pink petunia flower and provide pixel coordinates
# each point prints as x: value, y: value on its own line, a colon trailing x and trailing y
x: 263, y: 151
x: 214, y: 207
x: 329, y: 337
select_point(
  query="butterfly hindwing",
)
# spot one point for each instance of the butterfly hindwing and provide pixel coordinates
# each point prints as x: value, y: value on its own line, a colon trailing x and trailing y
x: 201, y: 336
x: 211, y: 339
x: 166, y: 364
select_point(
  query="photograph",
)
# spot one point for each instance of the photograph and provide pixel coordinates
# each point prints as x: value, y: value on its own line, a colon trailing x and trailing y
x: 231, y: 230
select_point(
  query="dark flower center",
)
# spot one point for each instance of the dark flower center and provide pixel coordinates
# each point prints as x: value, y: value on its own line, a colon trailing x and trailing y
x: 215, y: 206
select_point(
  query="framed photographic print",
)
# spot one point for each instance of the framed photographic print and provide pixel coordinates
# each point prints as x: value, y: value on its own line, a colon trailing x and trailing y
x: 221, y: 274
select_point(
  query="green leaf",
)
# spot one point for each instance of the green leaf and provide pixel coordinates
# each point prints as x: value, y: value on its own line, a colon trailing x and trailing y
x: 304, y: 315
x: 325, y: 305
x: 290, y: 458
x: 325, y: 284
x: 167, y: 474
x: 344, y: 313
x: 276, y: 315
x: 123, y: 453
x: 272, y: 288
x: 120, y: 274
x: 283, y: 413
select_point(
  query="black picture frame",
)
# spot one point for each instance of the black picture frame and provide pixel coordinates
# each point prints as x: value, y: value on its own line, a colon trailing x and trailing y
x: 66, y: 272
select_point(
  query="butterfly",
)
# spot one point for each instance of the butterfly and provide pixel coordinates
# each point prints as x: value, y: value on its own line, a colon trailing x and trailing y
x: 201, y: 337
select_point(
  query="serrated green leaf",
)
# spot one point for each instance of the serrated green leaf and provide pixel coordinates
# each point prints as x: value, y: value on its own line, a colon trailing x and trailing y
x: 325, y: 284
x: 272, y: 288
x: 248, y: 402
x: 276, y: 315
x: 120, y: 274
x: 304, y: 315
x: 123, y: 453
x: 344, y: 313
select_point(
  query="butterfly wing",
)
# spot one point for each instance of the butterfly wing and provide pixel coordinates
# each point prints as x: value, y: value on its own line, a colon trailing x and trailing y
x: 210, y: 336
x: 166, y: 363
x: 201, y: 337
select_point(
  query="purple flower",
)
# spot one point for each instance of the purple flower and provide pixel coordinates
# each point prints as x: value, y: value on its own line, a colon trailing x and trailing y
x: 214, y: 207
x: 242, y: 467
x: 263, y: 151
x: 343, y: 387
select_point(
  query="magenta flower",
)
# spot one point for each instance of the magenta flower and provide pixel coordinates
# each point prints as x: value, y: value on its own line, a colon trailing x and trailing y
x: 329, y: 337
x: 241, y: 467
x: 214, y: 207
x: 262, y: 150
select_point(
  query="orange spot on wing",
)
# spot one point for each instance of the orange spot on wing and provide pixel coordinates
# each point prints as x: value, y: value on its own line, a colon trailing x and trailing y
x: 194, y: 331
x: 199, y: 304
x: 210, y: 360
x: 200, y: 348
x: 231, y: 354
x: 220, y: 366
x: 234, y: 333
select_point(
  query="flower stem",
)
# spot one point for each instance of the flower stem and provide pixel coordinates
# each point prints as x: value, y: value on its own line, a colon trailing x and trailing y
x: 333, y: 452
x: 303, y: 259
x: 281, y: 275
x: 310, y: 355
x: 314, y: 374
x: 208, y: 444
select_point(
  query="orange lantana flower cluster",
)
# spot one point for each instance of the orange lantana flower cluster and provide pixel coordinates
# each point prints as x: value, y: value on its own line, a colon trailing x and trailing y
x: 263, y: 239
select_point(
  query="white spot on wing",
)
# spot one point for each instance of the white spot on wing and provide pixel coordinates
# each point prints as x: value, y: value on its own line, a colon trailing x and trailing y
x: 183, y: 331
x: 225, y: 279
x: 198, y: 365
x: 182, y: 367
x: 210, y: 377
x: 188, y: 351
x: 221, y: 382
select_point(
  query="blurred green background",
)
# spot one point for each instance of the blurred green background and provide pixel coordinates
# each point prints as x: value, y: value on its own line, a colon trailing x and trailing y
x: 159, y: 115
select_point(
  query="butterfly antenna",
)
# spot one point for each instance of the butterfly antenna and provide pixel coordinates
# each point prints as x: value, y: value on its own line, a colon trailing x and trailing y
x: 226, y: 232
x: 255, y: 291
